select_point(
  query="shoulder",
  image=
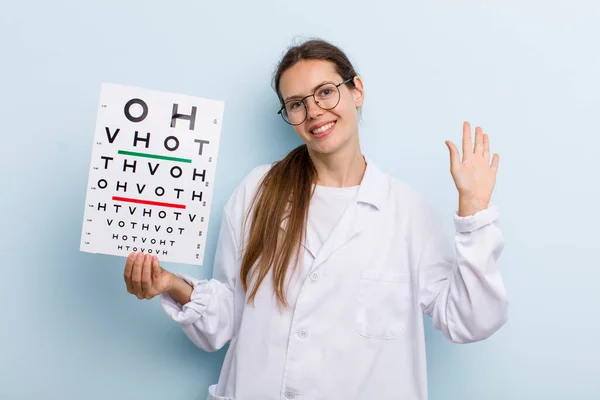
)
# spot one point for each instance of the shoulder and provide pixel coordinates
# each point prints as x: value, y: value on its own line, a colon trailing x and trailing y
x: 399, y: 193
x: 243, y: 194
x: 253, y: 178
x: 409, y: 202
x: 406, y: 193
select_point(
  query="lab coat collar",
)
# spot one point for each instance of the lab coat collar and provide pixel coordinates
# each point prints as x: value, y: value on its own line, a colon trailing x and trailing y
x: 374, y: 187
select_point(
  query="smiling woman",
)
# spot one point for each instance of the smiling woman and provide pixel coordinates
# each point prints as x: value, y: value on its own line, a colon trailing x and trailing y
x: 325, y: 265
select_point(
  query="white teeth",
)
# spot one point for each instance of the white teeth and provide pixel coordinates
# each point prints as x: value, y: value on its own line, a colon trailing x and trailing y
x: 323, y: 128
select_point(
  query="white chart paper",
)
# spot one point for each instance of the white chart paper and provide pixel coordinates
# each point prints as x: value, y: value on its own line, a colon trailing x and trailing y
x: 151, y: 174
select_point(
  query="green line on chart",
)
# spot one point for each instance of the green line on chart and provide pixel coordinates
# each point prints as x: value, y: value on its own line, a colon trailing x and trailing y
x: 132, y: 153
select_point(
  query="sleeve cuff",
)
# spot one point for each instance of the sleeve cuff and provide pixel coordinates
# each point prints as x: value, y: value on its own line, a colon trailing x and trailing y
x: 192, y: 311
x: 473, y: 222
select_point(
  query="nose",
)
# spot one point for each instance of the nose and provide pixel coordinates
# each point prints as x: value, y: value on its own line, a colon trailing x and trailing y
x: 313, y: 109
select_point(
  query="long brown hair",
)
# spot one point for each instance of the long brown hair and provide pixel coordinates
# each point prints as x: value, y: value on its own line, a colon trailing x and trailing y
x: 284, y: 194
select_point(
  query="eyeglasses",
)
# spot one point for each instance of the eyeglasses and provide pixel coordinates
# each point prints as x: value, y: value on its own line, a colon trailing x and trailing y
x: 326, y: 96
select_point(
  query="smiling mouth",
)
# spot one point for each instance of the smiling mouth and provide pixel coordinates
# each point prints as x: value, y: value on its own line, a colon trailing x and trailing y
x: 323, y: 128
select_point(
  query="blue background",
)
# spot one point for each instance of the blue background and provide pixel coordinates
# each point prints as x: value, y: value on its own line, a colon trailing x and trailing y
x: 527, y: 72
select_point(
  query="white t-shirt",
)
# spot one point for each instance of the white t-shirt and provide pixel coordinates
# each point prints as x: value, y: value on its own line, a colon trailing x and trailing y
x: 326, y: 208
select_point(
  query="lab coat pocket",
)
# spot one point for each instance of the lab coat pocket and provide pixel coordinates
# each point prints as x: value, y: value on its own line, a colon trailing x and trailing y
x: 383, y: 300
x: 212, y: 396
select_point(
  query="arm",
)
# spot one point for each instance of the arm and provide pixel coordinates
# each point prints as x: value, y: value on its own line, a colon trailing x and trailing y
x: 180, y: 290
x: 205, y: 308
x: 464, y: 293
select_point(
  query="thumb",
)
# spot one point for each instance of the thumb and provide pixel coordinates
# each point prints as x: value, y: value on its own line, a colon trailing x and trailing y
x: 454, y: 156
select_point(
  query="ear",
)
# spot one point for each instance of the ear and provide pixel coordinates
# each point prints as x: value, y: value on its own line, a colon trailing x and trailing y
x: 358, y: 92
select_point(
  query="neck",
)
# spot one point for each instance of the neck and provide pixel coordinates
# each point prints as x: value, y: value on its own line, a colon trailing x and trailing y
x: 343, y: 168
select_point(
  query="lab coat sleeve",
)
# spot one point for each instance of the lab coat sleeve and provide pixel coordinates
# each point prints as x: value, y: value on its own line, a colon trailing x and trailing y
x: 463, y: 290
x: 208, y: 319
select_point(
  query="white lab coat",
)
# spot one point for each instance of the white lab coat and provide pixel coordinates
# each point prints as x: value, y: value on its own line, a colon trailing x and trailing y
x: 354, y: 329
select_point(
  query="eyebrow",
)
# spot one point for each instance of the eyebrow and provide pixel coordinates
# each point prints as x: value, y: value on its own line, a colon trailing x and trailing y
x: 298, y: 96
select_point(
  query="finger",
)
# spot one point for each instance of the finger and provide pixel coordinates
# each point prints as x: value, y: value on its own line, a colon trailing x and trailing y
x: 156, y: 269
x: 157, y: 274
x: 486, y: 147
x: 495, y: 162
x: 146, y: 275
x: 127, y: 272
x: 478, y: 141
x: 454, y: 156
x: 136, y: 275
x: 467, y: 144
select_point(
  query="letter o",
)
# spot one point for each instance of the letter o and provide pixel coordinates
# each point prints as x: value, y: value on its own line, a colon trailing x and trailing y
x: 144, y: 110
x: 167, y: 143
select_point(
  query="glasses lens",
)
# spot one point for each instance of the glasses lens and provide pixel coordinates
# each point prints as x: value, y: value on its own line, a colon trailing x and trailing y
x: 327, y: 96
x: 294, y: 112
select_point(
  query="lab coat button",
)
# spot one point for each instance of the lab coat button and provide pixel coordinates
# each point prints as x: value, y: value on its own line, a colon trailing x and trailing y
x: 315, y: 276
x: 303, y: 334
x: 290, y: 394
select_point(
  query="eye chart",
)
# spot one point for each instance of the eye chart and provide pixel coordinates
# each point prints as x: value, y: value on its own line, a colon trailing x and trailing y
x: 151, y: 174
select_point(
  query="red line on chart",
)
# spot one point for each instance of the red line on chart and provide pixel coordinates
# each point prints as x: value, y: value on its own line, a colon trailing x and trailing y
x: 148, y: 202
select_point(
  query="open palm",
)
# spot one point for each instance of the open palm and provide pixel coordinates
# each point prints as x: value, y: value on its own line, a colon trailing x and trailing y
x: 473, y: 176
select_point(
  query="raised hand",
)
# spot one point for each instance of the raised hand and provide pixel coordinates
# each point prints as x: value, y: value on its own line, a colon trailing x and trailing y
x: 473, y: 176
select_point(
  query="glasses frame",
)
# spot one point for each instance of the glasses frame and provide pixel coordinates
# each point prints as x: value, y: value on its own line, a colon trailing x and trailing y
x: 337, y: 86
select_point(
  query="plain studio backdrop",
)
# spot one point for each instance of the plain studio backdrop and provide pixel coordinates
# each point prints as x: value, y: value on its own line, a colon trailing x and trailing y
x: 526, y: 71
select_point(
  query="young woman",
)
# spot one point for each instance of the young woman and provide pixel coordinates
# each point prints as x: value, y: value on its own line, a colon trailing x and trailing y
x: 325, y: 264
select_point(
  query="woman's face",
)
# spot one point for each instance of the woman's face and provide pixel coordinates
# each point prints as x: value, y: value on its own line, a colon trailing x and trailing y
x: 323, y: 131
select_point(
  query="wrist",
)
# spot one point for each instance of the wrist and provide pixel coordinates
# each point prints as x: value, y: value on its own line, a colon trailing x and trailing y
x: 177, y: 284
x: 470, y: 205
x: 171, y: 282
x: 179, y: 289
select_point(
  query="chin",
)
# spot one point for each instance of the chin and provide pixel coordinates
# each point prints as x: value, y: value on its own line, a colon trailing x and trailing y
x: 325, y: 147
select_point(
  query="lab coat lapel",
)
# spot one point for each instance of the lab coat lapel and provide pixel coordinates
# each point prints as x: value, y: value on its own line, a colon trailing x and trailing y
x: 349, y: 225
x: 308, y: 243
